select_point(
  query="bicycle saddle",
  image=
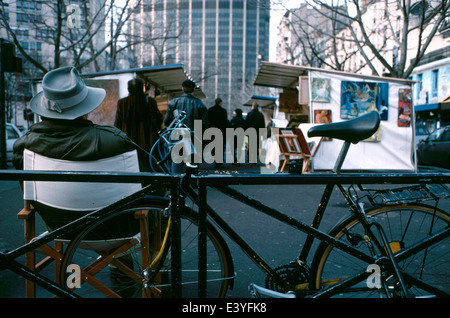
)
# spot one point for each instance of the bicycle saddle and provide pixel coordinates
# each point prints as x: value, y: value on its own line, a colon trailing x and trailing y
x: 353, y: 130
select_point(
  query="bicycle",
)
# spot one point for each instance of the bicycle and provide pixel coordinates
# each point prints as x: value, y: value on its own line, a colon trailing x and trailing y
x: 399, y: 241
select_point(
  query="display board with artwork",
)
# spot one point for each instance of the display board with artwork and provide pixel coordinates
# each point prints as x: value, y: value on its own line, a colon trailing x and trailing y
x: 339, y: 96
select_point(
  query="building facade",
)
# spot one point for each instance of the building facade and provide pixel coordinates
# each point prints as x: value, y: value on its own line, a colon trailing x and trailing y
x: 53, y: 34
x: 344, y: 47
x: 219, y: 42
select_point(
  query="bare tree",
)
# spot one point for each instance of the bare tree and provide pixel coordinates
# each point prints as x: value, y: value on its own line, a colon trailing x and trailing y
x: 79, y: 45
x: 377, y: 34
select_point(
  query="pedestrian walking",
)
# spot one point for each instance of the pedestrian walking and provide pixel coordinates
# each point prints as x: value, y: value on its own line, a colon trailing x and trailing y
x: 255, y: 119
x: 218, y: 118
x: 138, y: 116
x: 194, y: 108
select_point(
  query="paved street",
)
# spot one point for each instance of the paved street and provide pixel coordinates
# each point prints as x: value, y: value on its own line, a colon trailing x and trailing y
x: 277, y: 243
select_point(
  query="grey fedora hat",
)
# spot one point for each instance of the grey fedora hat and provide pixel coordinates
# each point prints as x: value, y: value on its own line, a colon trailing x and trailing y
x: 64, y: 95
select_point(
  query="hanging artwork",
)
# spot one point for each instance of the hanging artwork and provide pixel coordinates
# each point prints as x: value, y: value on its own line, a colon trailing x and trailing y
x: 105, y: 114
x: 323, y: 116
x: 358, y: 98
x: 289, y: 102
x: 320, y: 90
x: 404, y: 107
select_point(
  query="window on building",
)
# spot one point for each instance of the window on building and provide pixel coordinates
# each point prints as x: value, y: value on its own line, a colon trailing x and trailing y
x: 434, y: 83
x: 419, y: 85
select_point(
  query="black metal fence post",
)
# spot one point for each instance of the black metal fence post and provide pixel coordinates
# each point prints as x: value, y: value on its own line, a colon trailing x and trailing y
x: 176, y: 239
x: 202, y: 248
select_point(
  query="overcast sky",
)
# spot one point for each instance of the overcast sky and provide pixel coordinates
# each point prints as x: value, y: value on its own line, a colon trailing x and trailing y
x: 276, y: 13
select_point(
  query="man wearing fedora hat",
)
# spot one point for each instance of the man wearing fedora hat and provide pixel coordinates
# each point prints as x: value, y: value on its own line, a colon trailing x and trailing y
x: 64, y: 132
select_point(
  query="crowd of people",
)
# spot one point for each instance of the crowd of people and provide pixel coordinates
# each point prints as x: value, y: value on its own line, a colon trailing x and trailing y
x: 65, y: 132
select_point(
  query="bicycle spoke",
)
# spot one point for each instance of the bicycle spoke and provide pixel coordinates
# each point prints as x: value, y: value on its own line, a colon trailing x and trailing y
x: 416, y: 235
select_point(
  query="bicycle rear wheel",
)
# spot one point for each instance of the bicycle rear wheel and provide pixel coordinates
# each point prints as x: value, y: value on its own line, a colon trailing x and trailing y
x: 140, y: 266
x: 426, y: 271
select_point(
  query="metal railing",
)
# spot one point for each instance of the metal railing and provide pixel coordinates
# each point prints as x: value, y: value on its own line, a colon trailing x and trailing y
x: 7, y: 258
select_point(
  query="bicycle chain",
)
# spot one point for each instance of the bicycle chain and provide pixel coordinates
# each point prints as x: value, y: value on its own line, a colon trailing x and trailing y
x: 292, y: 274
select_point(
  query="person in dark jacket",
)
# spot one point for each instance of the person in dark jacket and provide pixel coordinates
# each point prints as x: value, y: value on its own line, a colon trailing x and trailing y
x: 255, y: 119
x: 218, y: 118
x: 237, y: 122
x: 195, y: 109
x: 65, y: 133
x: 138, y: 116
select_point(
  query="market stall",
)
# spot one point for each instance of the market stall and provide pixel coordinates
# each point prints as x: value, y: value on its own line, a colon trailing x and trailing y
x: 331, y: 96
x: 162, y: 82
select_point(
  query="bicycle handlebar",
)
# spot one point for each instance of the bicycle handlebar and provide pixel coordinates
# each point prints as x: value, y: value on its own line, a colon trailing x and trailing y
x: 164, y: 159
x: 177, y: 120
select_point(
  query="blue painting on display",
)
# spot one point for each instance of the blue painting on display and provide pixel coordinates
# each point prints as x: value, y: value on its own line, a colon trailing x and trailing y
x: 358, y: 98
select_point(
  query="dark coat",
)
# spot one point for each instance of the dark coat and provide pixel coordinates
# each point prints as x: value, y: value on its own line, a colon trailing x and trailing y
x: 77, y: 140
x: 138, y: 116
x: 255, y: 119
x: 218, y: 118
x: 195, y: 110
x: 238, y: 122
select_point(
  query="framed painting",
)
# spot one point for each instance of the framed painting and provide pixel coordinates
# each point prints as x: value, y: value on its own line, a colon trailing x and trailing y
x: 404, y: 107
x: 320, y: 90
x: 358, y: 98
x: 323, y: 116
x: 105, y: 114
x: 289, y: 139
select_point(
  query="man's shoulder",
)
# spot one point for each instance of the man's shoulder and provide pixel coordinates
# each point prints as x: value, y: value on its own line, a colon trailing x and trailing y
x: 183, y: 97
x: 123, y: 100
x: 107, y: 129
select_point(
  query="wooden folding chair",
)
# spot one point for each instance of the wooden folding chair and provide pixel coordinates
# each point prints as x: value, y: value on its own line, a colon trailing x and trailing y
x: 84, y: 198
x: 292, y: 143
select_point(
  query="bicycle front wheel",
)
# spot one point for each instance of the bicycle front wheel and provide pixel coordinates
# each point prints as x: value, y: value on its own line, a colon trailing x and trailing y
x: 426, y: 270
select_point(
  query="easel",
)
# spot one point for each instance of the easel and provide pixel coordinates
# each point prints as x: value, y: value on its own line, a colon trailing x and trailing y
x: 292, y: 142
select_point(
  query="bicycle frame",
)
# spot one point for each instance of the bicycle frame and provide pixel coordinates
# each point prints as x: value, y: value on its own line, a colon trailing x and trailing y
x: 312, y: 231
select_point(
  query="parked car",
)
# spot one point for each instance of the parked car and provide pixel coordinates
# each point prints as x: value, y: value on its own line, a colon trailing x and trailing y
x: 12, y: 134
x: 435, y: 150
x: 422, y: 133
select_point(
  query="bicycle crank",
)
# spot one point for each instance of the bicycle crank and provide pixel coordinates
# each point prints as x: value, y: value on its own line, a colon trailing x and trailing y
x: 290, y: 277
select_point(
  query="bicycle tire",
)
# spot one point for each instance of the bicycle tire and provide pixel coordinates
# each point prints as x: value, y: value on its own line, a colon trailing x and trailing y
x: 220, y: 269
x: 131, y: 285
x: 404, y: 225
